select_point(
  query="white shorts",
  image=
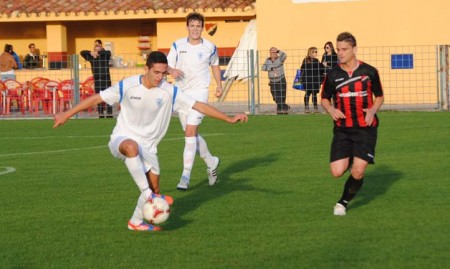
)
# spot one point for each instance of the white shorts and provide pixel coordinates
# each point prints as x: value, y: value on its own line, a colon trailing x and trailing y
x: 149, y: 160
x: 193, y: 117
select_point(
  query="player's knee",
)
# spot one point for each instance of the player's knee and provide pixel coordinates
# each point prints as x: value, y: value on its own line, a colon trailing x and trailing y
x: 357, y: 173
x: 129, y: 148
x: 337, y: 172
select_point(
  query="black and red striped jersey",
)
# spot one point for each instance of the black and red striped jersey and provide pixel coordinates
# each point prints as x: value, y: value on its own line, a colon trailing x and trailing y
x: 353, y: 92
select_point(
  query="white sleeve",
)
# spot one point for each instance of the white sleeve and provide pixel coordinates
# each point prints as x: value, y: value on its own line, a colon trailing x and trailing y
x: 215, y: 57
x: 183, y: 103
x: 111, y: 95
x: 172, y: 56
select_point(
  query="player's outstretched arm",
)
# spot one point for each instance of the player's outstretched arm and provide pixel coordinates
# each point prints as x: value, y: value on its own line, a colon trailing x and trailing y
x: 213, y: 112
x: 61, y: 118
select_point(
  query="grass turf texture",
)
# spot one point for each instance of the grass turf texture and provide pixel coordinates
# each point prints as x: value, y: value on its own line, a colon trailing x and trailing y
x: 68, y: 202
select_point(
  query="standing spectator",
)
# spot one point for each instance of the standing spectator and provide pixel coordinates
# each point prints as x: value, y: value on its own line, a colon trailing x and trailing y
x: 16, y: 57
x: 147, y: 102
x: 99, y: 59
x: 31, y: 60
x: 277, y: 80
x: 329, y: 58
x: 7, y: 63
x: 312, y: 76
x: 352, y: 95
x: 189, y: 62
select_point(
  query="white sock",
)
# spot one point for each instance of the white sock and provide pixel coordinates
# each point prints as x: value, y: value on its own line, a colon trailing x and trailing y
x: 190, y: 148
x: 138, y: 215
x: 137, y: 172
x: 203, y: 151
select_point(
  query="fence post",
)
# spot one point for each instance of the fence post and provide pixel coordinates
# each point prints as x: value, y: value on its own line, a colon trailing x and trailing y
x: 251, y: 83
x: 76, y: 80
x: 444, y: 79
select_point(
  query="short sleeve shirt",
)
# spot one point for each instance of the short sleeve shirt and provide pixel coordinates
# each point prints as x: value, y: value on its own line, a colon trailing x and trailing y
x: 351, y: 93
x: 194, y: 61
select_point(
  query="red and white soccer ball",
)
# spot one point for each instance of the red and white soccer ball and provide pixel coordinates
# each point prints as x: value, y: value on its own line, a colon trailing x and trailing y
x: 156, y: 210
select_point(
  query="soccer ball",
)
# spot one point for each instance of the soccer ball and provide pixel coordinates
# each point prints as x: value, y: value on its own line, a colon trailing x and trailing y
x: 156, y: 210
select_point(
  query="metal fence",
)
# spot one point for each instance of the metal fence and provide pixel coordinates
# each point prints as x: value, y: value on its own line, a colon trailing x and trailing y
x: 413, y: 78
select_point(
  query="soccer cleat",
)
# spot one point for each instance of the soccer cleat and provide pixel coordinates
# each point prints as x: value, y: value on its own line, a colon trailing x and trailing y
x: 184, y: 184
x: 143, y: 227
x: 339, y: 210
x: 168, y: 198
x: 212, y: 171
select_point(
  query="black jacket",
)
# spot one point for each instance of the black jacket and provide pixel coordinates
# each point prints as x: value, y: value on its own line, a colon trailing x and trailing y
x: 312, y: 74
x: 100, y: 68
x: 30, y: 62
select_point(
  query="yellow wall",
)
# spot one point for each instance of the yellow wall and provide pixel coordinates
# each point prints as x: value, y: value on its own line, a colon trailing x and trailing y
x: 227, y: 34
x: 20, y: 35
x: 373, y: 22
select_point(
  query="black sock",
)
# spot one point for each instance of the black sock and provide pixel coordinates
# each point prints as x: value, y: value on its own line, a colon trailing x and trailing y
x: 351, y: 187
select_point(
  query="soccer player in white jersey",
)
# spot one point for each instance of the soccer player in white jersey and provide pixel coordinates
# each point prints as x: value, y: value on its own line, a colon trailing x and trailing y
x: 189, y: 61
x: 147, y: 102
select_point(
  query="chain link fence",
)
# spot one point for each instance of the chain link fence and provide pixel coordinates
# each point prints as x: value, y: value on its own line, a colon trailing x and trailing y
x: 413, y: 78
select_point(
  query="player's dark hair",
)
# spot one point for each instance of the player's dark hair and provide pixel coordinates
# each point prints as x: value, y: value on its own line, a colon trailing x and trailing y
x: 156, y: 57
x: 98, y: 41
x: 194, y: 16
x: 347, y: 37
x: 31, y: 44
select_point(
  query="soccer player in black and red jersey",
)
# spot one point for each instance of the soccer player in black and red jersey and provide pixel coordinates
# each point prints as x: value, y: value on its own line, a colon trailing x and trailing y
x: 351, y: 94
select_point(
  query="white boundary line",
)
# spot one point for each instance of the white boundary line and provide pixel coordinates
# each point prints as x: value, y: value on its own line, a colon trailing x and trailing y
x: 7, y: 170
x: 73, y: 149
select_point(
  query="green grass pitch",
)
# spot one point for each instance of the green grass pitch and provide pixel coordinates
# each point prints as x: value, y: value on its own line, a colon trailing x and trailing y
x: 65, y: 201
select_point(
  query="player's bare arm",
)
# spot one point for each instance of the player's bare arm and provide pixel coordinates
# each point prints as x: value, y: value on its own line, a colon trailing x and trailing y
x: 370, y: 112
x: 336, y: 114
x: 218, y: 78
x: 212, y: 112
x: 175, y: 73
x: 61, y: 118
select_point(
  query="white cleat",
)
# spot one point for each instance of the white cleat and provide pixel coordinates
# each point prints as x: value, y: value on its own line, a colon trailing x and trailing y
x: 212, y: 171
x: 184, y: 184
x: 339, y: 210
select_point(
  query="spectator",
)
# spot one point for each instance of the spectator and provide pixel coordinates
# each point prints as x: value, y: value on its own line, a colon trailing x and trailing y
x: 312, y: 76
x: 16, y: 58
x: 99, y: 59
x: 31, y: 60
x: 329, y: 58
x: 277, y: 80
x: 7, y: 63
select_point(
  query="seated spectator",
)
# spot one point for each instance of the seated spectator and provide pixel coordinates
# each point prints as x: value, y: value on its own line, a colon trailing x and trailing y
x: 7, y: 64
x: 31, y: 60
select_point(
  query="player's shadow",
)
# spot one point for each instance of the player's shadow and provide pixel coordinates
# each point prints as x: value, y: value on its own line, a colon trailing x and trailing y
x: 201, y: 192
x: 379, y: 181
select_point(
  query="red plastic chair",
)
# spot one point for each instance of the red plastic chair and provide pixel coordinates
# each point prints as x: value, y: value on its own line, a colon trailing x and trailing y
x: 15, y: 93
x: 86, y: 90
x: 41, y: 93
x: 3, y: 93
x: 35, y: 90
x: 65, y: 95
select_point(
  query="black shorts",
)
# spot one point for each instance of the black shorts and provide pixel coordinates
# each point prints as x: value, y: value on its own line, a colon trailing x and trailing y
x: 354, y: 142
